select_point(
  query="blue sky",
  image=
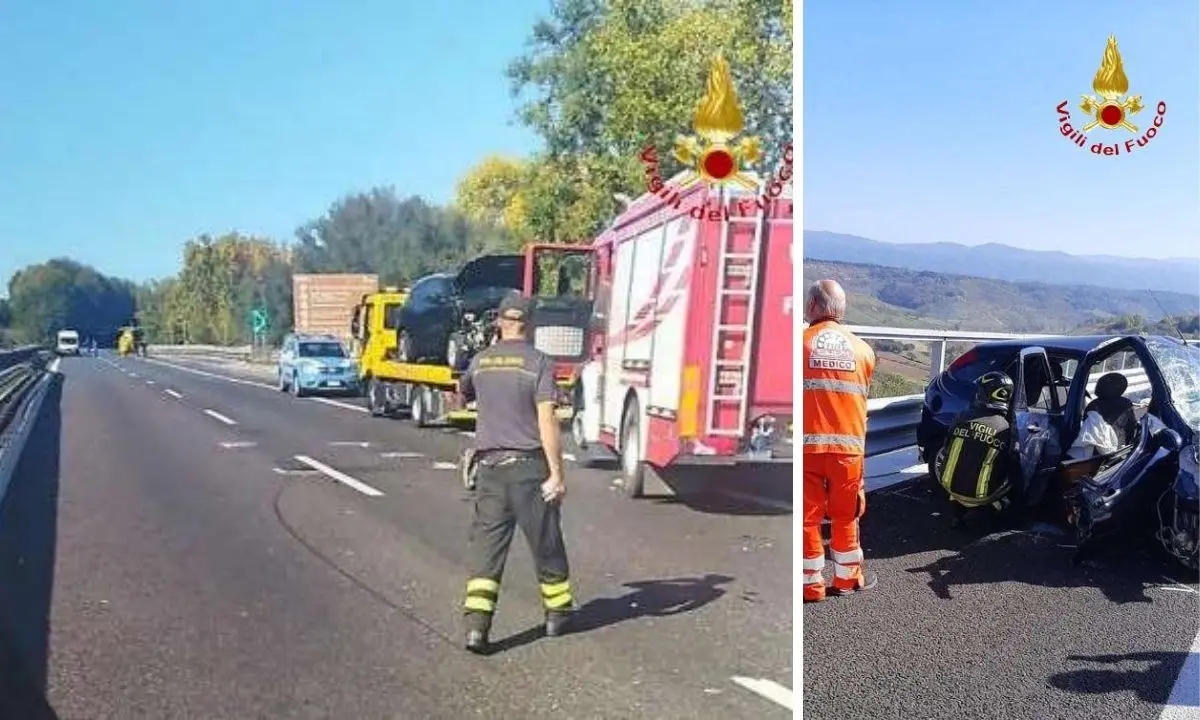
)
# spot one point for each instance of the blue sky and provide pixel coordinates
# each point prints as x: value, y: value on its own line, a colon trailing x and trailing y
x: 935, y: 121
x: 129, y: 126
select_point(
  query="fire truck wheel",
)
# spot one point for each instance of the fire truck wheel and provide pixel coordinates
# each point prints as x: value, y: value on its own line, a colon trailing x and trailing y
x: 633, y: 470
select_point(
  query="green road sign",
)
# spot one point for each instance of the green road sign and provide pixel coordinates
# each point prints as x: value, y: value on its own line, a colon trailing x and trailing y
x: 258, y: 320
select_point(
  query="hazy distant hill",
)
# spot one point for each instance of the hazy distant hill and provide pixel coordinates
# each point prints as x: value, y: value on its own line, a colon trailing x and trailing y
x: 913, y: 298
x: 1002, y: 262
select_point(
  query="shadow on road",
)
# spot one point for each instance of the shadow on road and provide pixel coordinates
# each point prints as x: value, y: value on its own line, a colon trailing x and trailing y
x: 1152, y: 683
x: 910, y: 520
x: 764, y: 490
x: 647, y: 598
x: 28, y: 529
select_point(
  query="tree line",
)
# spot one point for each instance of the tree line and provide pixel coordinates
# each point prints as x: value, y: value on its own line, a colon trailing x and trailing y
x: 600, y: 81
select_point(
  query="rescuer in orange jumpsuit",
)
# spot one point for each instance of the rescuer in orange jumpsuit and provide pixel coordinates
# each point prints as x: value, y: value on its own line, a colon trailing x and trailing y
x: 837, y: 376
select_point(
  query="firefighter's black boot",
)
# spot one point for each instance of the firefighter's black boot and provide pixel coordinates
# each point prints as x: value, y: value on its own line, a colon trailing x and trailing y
x: 478, y: 625
x: 557, y: 622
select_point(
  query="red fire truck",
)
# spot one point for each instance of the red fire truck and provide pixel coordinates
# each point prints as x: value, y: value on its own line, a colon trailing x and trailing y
x: 691, y: 359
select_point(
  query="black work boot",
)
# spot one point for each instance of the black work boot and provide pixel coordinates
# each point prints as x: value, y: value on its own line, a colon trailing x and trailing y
x: 557, y: 622
x: 478, y: 625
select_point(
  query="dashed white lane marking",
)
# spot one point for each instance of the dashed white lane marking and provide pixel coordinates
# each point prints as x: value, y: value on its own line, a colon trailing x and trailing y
x: 216, y: 376
x: 339, y: 476
x: 149, y: 382
x: 132, y: 374
x: 749, y: 497
x: 218, y: 416
x: 768, y: 689
x: 54, y: 365
x: 568, y: 456
x: 303, y: 471
x: 173, y: 394
x: 350, y: 443
x: 340, y: 404
x: 467, y: 433
x: 238, y: 444
x: 401, y: 455
x: 439, y: 465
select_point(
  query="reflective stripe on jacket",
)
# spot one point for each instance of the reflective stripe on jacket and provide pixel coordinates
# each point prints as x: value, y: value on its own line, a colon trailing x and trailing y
x: 837, y: 378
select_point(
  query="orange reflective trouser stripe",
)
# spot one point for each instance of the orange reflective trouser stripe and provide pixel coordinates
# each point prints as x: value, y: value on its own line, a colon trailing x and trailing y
x: 833, y: 488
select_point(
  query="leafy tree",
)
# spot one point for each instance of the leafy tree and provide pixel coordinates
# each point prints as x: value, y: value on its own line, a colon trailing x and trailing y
x: 62, y: 293
x: 491, y: 193
x: 602, y: 80
x: 5, y: 313
x: 398, y: 239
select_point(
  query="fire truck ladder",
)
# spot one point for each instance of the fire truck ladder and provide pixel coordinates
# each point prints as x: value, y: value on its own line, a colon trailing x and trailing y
x: 733, y: 266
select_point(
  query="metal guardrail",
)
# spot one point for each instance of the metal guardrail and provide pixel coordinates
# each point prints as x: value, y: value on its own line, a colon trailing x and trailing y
x: 16, y: 356
x: 22, y: 387
x: 234, y: 352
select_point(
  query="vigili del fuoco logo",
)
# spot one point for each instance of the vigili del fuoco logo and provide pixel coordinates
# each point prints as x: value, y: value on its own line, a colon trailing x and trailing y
x: 711, y: 155
x: 1113, y: 109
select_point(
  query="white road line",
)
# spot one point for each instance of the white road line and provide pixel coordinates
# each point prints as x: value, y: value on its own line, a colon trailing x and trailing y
x: 568, y: 456
x: 149, y: 382
x: 768, y: 689
x: 173, y: 394
x: 467, y: 433
x: 54, y: 365
x: 306, y: 471
x: 340, y: 404
x: 218, y: 416
x: 202, y: 373
x: 1185, y: 696
x: 439, y: 465
x: 769, y: 502
x: 238, y: 444
x: 401, y: 455
x: 133, y: 374
x: 339, y: 476
x: 350, y: 443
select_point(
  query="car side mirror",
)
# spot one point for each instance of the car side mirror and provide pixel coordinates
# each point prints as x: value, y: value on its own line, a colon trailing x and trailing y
x: 1168, y: 440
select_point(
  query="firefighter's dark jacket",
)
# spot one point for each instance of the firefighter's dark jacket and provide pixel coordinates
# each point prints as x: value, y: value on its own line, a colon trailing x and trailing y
x: 978, y: 461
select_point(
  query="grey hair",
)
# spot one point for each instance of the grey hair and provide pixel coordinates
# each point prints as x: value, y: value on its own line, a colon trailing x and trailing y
x: 826, y: 299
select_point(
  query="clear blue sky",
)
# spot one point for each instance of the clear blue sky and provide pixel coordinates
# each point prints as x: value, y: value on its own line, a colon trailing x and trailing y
x: 935, y: 121
x: 129, y: 126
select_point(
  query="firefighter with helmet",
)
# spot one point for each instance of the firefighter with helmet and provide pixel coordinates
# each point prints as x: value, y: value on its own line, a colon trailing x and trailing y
x: 976, y: 465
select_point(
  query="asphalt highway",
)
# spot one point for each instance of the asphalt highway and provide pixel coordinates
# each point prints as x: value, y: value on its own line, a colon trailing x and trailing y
x: 179, y: 542
x: 999, y: 623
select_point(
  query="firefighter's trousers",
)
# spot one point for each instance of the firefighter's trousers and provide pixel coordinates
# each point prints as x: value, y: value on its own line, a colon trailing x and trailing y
x: 833, y: 488
x: 508, y: 493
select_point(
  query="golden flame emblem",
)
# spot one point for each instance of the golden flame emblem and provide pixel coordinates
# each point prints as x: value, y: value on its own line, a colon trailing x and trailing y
x: 1109, y: 111
x: 717, y: 121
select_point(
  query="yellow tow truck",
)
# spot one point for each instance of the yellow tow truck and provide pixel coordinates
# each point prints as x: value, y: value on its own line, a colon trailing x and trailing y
x: 430, y: 392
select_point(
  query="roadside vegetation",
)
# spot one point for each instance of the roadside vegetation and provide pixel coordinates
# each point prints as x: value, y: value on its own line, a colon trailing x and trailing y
x: 598, y: 82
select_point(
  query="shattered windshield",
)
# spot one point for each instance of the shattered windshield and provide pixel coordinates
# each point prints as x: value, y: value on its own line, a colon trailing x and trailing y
x: 1180, y: 366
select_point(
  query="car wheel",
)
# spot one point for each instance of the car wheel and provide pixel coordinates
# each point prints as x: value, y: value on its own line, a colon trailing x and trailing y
x: 633, y: 470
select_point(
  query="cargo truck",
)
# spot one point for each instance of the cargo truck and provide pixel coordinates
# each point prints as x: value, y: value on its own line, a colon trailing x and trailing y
x: 323, y: 303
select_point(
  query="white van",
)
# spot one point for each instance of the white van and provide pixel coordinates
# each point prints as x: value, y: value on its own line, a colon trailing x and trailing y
x: 68, y: 343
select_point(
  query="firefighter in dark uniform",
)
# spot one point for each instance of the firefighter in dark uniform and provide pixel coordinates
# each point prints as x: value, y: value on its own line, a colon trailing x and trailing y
x: 977, y: 463
x: 520, y: 477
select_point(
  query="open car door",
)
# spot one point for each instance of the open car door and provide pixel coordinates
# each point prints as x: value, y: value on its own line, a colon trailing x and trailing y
x: 1035, y: 422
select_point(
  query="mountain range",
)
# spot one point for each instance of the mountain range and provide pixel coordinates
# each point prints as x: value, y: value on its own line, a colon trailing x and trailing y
x: 1002, y: 262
